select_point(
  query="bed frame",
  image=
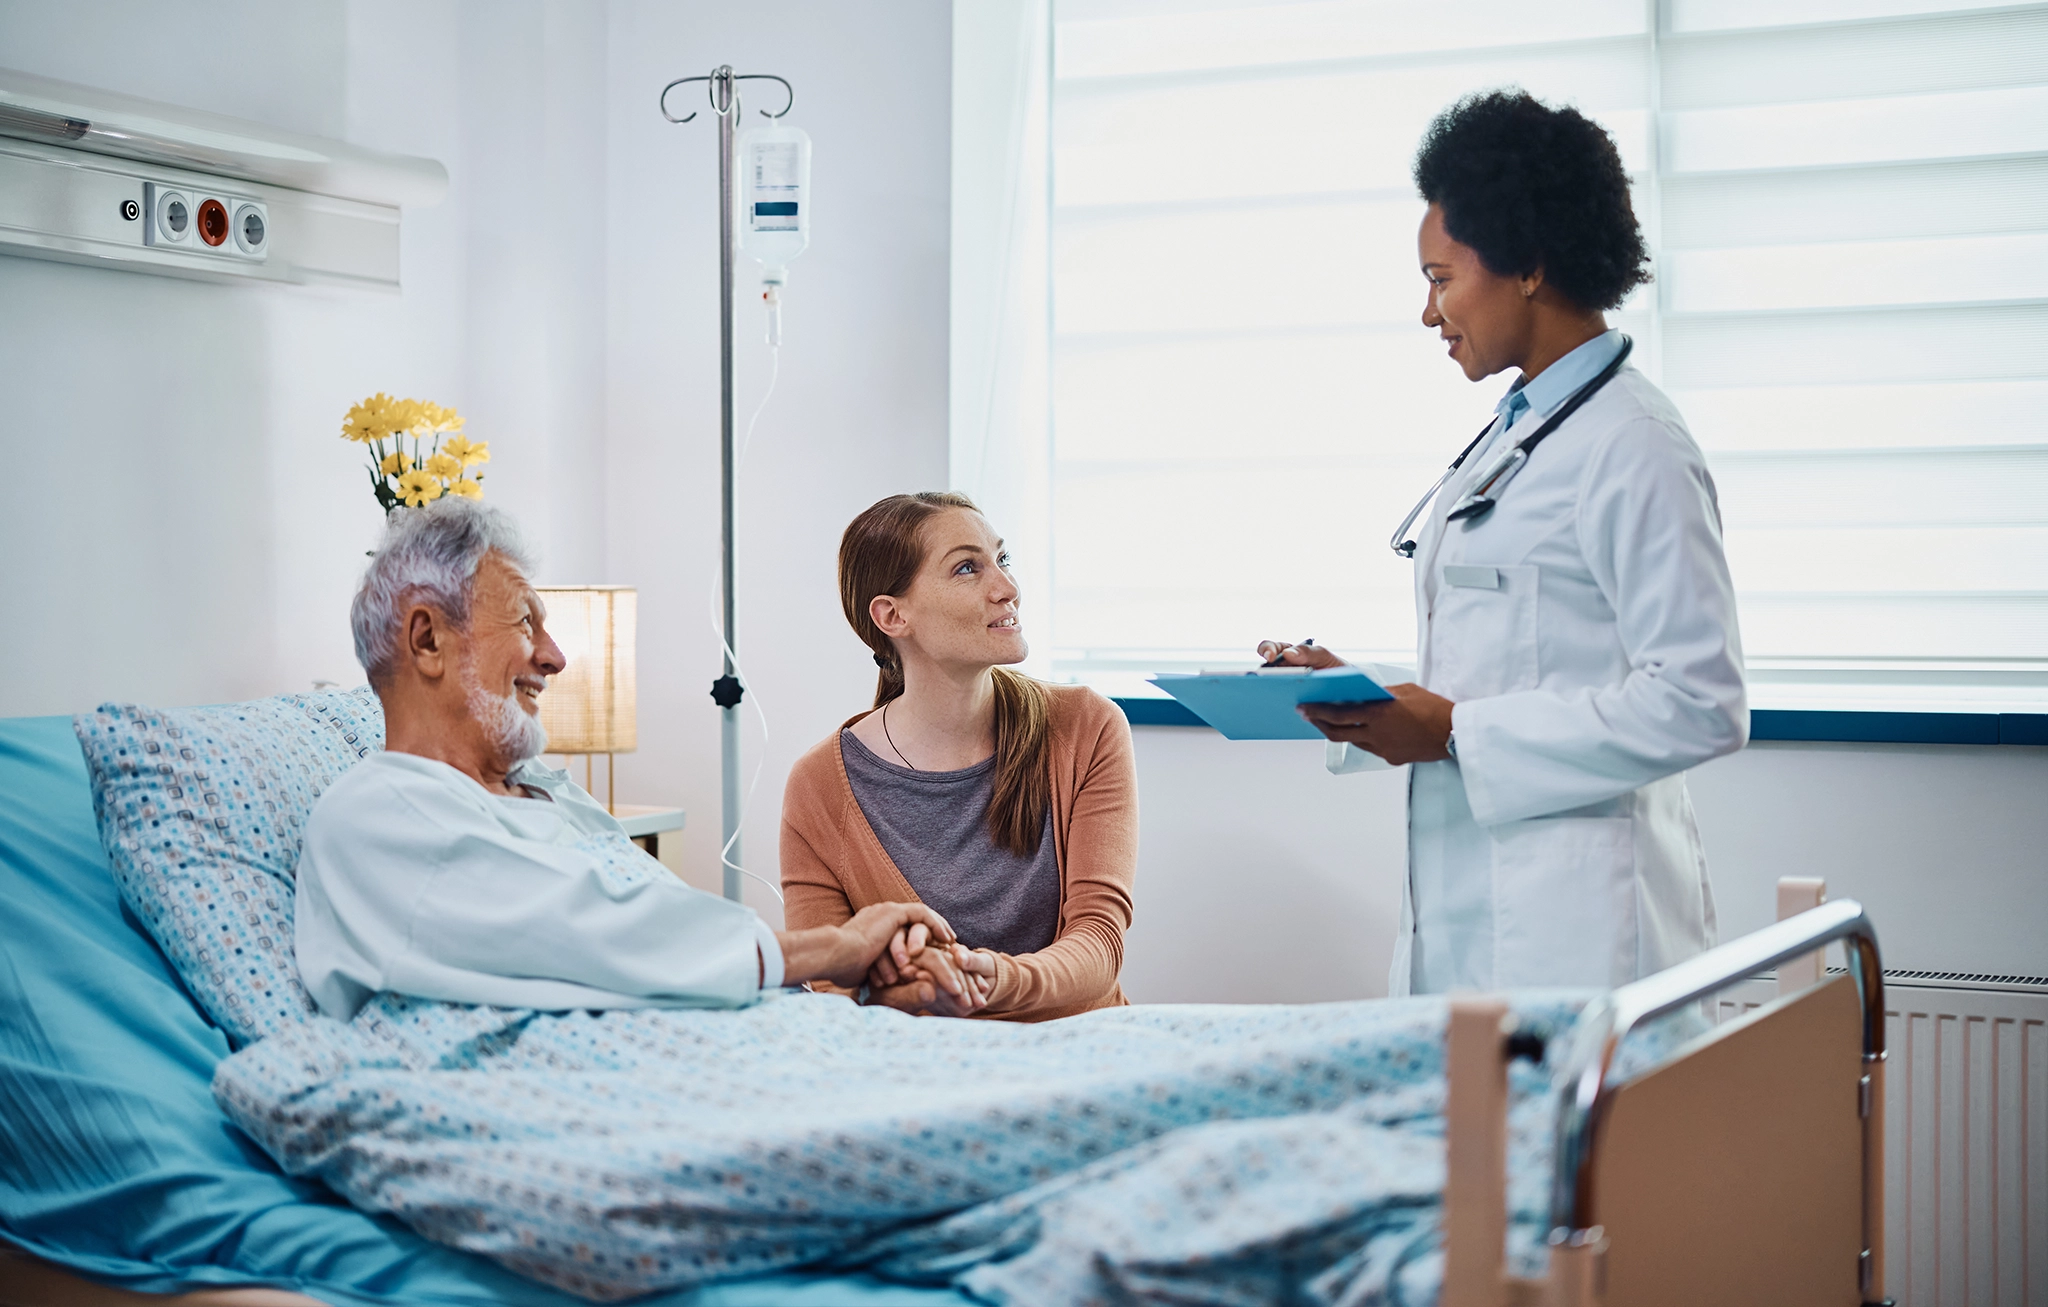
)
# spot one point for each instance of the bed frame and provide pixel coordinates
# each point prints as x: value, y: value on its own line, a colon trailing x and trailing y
x: 26, y: 1281
x: 1748, y: 1170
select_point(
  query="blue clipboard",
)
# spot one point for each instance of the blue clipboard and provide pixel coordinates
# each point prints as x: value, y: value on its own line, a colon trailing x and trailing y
x: 1259, y: 705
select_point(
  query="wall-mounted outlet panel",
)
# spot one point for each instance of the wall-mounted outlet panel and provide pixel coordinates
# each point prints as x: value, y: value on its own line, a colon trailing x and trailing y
x: 93, y: 176
x: 85, y: 208
x: 231, y: 226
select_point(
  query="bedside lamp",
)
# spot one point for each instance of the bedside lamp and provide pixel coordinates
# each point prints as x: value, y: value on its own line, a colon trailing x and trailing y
x: 588, y: 709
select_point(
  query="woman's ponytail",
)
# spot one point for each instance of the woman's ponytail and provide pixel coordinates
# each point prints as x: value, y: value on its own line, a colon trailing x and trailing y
x: 1023, y: 787
x: 889, y: 683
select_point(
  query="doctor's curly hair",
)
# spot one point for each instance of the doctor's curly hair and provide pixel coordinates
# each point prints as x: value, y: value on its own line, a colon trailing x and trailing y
x: 1527, y: 187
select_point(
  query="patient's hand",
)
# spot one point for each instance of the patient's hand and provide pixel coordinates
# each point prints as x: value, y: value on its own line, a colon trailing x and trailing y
x: 939, y: 980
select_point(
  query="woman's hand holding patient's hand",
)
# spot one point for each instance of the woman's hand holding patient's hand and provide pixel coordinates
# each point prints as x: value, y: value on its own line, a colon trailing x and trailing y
x: 977, y: 971
x: 946, y: 980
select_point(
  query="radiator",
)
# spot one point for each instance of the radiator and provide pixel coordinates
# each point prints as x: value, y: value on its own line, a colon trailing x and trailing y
x: 1966, y: 1136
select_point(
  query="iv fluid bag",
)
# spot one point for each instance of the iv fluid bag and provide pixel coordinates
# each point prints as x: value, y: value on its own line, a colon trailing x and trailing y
x: 775, y: 193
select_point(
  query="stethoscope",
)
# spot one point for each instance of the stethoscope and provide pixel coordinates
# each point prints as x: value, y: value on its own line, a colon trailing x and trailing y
x: 1478, y: 501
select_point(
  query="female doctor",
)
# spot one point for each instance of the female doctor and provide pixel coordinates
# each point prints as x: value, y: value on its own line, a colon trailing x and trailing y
x: 1578, y: 648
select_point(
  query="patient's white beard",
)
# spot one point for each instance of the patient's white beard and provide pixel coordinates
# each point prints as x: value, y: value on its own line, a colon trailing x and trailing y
x: 515, y: 733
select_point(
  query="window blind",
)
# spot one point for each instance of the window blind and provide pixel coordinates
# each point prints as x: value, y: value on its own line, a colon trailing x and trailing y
x: 1847, y: 206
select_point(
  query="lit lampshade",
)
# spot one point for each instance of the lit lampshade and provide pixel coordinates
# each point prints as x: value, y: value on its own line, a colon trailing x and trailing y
x: 589, y: 706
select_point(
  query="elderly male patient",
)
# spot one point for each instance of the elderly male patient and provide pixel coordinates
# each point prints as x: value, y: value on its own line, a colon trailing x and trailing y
x: 452, y: 866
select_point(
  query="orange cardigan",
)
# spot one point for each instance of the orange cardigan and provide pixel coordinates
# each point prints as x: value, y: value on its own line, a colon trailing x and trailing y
x: 833, y: 866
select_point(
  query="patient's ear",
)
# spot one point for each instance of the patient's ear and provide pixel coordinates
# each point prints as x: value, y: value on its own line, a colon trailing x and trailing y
x: 888, y: 616
x: 426, y: 642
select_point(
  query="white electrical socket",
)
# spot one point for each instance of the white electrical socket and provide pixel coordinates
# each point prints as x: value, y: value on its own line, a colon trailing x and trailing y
x: 202, y: 221
x: 252, y: 228
x: 168, y: 215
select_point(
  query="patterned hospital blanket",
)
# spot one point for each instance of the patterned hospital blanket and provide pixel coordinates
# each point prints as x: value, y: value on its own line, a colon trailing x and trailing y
x: 1198, y: 1154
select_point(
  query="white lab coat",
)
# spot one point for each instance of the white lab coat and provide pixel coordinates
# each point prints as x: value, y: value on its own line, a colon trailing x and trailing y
x: 1587, y: 634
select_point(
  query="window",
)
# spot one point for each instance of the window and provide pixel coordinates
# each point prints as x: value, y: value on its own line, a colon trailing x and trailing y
x: 1847, y: 203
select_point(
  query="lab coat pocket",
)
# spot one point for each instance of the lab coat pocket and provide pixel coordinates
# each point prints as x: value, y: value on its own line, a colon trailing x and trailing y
x: 1564, y: 902
x: 1483, y: 631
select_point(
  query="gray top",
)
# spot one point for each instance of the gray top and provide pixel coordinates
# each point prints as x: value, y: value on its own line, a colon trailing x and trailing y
x: 934, y: 826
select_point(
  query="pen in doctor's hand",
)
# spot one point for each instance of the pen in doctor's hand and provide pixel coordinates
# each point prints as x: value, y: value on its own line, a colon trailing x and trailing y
x: 1275, y: 653
x: 1306, y: 654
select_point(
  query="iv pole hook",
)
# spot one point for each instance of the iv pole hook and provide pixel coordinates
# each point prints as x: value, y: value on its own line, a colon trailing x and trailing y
x: 788, y: 91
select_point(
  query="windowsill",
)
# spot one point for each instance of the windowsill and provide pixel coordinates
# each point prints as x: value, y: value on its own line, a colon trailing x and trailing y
x: 1867, y: 701
x: 1813, y: 725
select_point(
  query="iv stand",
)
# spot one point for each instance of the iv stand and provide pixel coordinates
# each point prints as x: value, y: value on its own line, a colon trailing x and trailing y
x: 722, y: 84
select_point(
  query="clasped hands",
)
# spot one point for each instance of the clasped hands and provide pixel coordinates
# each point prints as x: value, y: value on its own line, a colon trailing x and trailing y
x: 926, y: 976
x: 1413, y: 726
x: 906, y: 954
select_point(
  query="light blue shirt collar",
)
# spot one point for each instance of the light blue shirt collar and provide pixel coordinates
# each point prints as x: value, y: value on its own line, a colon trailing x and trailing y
x: 1557, y: 382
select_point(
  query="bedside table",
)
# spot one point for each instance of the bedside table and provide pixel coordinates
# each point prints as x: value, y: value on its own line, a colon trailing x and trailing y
x: 648, y: 824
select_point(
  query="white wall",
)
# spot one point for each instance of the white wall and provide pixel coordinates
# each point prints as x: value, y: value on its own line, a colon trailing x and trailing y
x: 1264, y: 879
x: 180, y: 521
x: 1947, y: 845
x: 1261, y: 877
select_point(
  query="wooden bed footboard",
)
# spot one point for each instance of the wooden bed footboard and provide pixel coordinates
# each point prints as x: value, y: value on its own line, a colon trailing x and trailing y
x: 27, y: 1281
x: 1748, y: 1170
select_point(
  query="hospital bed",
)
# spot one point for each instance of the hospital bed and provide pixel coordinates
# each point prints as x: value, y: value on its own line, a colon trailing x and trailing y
x: 1745, y: 1170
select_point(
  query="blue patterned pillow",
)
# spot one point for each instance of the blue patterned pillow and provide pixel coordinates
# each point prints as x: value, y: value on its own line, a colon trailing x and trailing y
x: 201, y: 811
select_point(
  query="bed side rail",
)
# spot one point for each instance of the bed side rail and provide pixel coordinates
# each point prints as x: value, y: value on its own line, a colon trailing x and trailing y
x: 1475, y: 1213
x: 1582, y: 1078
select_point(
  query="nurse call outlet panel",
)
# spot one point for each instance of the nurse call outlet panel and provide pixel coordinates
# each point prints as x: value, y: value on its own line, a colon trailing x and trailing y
x: 205, y: 222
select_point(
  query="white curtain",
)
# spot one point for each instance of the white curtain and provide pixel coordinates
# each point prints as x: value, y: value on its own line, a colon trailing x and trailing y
x: 1000, y: 397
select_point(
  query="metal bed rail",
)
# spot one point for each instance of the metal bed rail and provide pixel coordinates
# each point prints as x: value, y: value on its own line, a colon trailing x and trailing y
x: 1584, y: 1082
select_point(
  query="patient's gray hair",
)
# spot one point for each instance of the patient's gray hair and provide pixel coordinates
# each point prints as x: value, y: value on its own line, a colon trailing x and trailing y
x: 428, y: 555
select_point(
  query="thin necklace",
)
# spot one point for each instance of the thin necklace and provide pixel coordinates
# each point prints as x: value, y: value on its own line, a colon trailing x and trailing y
x: 892, y: 739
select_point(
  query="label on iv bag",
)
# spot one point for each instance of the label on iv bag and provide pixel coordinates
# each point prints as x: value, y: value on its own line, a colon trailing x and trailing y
x: 777, y: 177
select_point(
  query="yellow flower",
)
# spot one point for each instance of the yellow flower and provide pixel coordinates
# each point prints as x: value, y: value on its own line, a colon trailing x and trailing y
x: 417, y: 487
x: 395, y: 463
x: 444, y: 467
x: 429, y: 417
x: 467, y: 488
x: 471, y: 454
x: 376, y: 417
